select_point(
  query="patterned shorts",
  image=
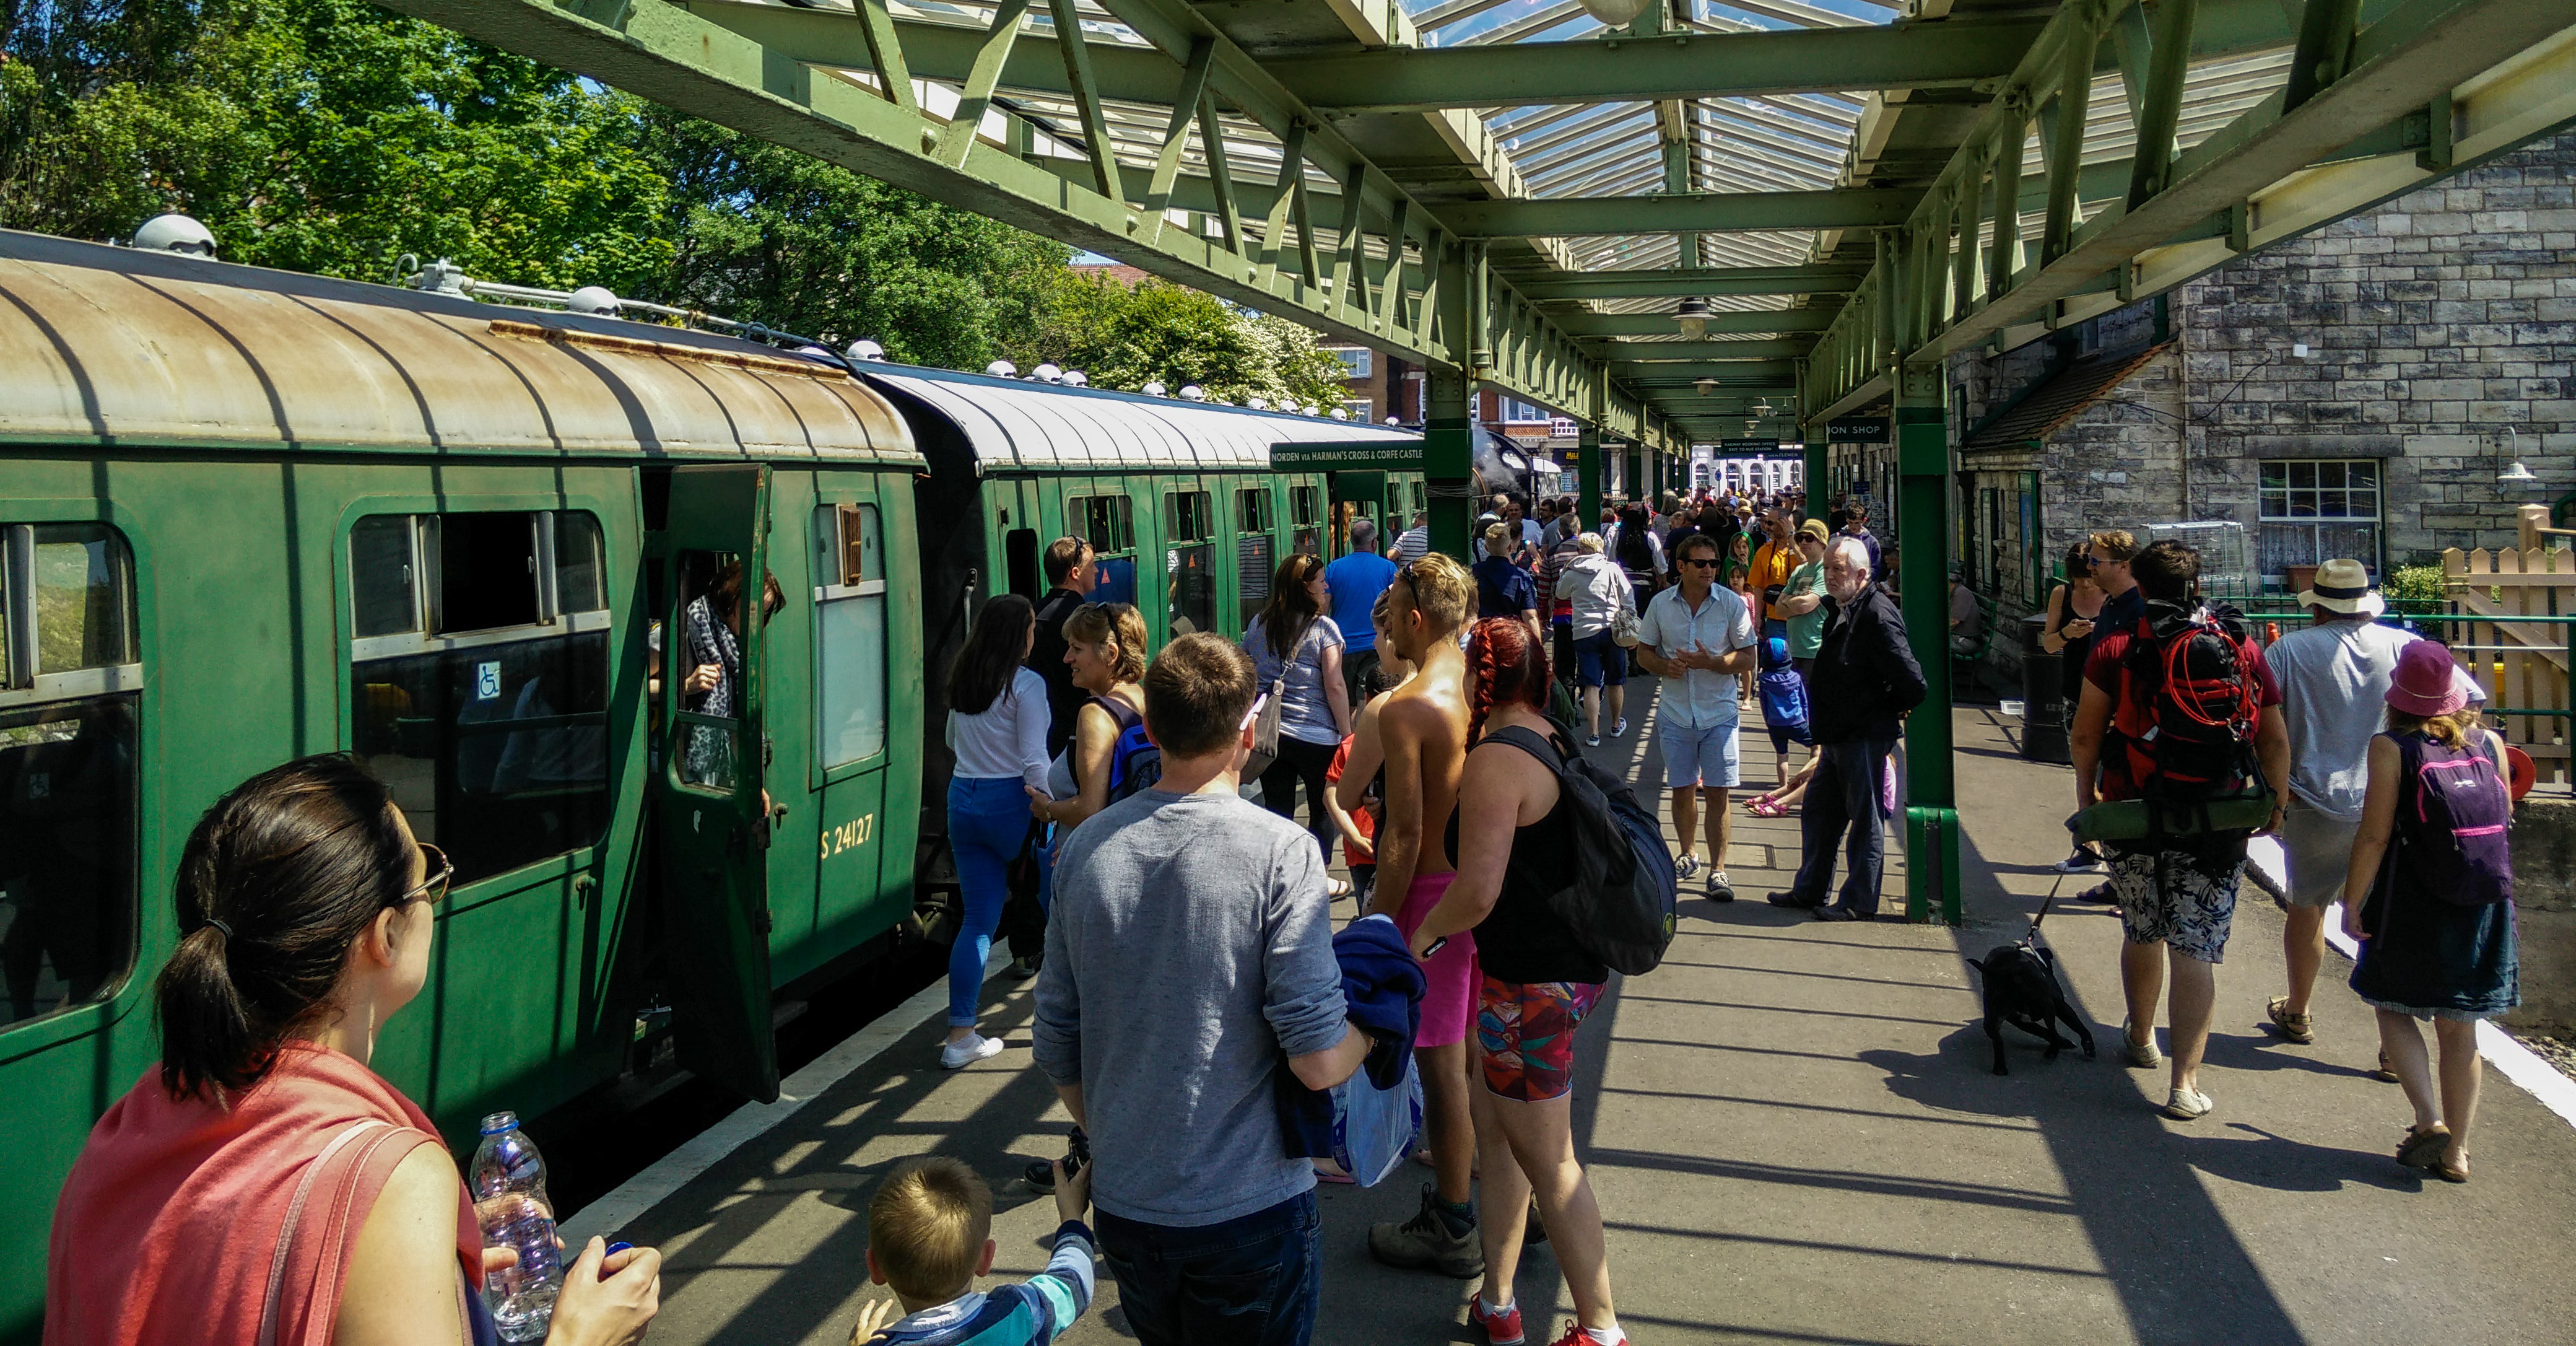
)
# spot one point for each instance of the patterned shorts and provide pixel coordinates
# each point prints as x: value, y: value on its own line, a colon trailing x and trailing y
x: 1525, y: 1036
x: 2191, y: 910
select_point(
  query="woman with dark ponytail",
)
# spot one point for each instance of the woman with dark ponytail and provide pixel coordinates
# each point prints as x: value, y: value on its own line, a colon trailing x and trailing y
x: 263, y: 1184
x: 1514, y: 840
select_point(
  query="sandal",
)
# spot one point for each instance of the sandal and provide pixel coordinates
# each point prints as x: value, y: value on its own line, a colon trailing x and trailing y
x: 2384, y: 1075
x: 2450, y: 1172
x: 2422, y: 1148
x: 1336, y: 889
x: 1764, y: 806
x: 2298, y: 1028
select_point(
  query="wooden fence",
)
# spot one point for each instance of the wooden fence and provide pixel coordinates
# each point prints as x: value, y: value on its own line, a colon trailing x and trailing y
x: 2522, y: 665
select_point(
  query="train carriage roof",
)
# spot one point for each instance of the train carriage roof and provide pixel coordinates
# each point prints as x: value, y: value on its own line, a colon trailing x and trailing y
x: 1014, y: 425
x: 116, y: 346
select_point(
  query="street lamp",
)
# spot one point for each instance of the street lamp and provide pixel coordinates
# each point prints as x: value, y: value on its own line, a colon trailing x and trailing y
x: 1615, y: 13
x: 1692, y: 315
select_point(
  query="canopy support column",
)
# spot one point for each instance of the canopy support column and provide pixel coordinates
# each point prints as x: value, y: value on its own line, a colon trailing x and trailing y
x: 1923, y: 525
x: 1448, y: 458
x: 1587, y: 470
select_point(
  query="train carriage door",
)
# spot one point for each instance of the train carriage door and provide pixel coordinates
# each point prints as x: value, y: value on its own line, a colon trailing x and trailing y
x: 713, y: 811
x: 1356, y: 495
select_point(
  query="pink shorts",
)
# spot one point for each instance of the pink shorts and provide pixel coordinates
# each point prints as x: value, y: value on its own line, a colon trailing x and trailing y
x: 1449, y: 997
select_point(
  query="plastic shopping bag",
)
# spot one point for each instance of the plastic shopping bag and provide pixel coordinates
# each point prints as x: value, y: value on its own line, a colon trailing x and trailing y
x: 1373, y: 1128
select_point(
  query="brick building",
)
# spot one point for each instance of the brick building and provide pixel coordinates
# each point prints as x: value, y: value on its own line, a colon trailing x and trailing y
x: 2353, y: 392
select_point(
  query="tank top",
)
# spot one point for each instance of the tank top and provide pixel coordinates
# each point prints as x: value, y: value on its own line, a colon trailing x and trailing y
x: 1522, y: 940
x: 2077, y: 647
x: 1122, y: 716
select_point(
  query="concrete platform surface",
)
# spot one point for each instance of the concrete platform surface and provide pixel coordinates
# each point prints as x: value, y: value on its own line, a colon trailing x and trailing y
x: 1795, y: 1137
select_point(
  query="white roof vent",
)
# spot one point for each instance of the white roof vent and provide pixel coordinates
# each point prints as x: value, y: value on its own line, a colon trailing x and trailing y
x: 175, y: 233
x: 1341, y: 413
x: 1257, y: 402
x: 1191, y: 392
x: 867, y: 350
x: 596, y: 300
x: 1153, y: 388
x: 1075, y: 378
x: 1047, y: 373
x: 1002, y: 369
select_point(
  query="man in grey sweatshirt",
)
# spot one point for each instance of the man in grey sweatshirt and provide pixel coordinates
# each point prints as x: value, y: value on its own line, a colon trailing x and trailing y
x: 1189, y: 959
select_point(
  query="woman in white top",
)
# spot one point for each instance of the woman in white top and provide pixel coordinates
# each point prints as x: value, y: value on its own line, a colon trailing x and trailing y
x: 1297, y: 650
x: 997, y: 726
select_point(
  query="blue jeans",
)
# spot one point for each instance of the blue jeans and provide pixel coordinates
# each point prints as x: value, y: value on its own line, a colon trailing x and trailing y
x: 1844, y: 796
x: 988, y: 821
x: 1250, y: 1281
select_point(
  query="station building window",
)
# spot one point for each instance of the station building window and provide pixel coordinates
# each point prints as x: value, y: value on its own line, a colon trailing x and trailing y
x: 1108, y: 523
x: 479, y: 679
x: 1256, y: 521
x: 1189, y: 573
x: 2312, y: 510
x: 70, y: 678
x: 849, y: 634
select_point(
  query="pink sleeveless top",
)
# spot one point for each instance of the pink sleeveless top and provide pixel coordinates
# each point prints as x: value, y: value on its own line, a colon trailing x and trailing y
x: 230, y: 1224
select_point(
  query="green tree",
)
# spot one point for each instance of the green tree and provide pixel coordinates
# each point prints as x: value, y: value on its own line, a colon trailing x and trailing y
x: 1157, y: 331
x: 324, y: 136
x: 767, y: 234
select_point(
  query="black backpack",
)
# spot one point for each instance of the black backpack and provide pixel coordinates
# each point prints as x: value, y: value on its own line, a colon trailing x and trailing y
x: 2190, y: 701
x: 1623, y: 902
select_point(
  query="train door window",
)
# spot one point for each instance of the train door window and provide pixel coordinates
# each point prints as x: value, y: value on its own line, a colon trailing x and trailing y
x: 1020, y: 562
x: 850, y: 634
x: 1256, y: 523
x: 479, y: 679
x: 70, y: 674
x: 1108, y: 522
x: 1189, y: 563
x: 1306, y: 516
x: 1421, y: 499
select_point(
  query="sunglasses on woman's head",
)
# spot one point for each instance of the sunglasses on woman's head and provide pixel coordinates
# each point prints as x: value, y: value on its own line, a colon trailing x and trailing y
x: 441, y: 873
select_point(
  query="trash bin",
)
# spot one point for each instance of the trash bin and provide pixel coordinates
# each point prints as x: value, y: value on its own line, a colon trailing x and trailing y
x: 2043, y: 699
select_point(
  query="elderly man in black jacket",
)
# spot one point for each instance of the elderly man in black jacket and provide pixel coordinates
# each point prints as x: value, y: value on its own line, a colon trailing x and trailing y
x: 1864, y: 681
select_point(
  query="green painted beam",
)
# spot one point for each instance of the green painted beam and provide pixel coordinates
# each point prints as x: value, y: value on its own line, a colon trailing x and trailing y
x: 1700, y: 350
x: 1704, y: 212
x: 1739, y: 373
x: 942, y: 51
x: 1677, y: 282
x: 1957, y: 54
x: 1662, y: 324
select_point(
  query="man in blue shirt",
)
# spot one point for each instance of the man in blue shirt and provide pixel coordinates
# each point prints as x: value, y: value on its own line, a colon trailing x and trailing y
x: 1354, y: 582
x: 1698, y: 636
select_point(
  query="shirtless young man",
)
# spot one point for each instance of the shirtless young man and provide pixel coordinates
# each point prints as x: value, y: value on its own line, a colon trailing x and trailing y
x: 1422, y: 731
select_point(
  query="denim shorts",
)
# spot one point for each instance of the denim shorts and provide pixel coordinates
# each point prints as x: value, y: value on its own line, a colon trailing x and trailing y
x: 1698, y: 756
x: 1598, y: 661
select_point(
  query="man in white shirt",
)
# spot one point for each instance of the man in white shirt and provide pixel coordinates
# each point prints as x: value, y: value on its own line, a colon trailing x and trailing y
x: 1413, y: 543
x: 1697, y: 637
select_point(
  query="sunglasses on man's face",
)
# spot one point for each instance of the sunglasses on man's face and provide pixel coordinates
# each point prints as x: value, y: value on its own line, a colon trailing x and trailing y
x: 1703, y: 562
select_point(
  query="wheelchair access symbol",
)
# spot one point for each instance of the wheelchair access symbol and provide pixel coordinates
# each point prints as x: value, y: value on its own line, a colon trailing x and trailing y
x: 487, y: 681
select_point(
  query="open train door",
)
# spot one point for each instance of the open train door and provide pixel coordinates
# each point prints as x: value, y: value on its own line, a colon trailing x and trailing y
x: 708, y: 796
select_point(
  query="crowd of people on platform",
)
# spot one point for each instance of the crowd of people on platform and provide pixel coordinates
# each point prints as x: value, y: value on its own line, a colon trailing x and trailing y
x: 1191, y: 990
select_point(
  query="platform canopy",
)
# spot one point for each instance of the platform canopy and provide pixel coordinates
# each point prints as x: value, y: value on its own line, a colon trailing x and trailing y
x: 1519, y: 192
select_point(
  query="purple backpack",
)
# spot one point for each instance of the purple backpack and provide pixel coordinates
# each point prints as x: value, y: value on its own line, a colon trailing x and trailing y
x: 2452, y: 812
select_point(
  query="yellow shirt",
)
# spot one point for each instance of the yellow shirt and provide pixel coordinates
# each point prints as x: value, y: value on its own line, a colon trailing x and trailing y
x: 1772, y: 563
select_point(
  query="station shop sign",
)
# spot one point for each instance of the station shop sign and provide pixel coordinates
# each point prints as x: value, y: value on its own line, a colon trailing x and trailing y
x: 1857, y: 430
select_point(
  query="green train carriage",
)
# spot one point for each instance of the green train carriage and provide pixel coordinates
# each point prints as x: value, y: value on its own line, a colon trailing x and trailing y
x: 247, y: 515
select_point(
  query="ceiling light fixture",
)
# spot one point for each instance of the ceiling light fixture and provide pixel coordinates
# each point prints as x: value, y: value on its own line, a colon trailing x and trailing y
x: 1693, y: 316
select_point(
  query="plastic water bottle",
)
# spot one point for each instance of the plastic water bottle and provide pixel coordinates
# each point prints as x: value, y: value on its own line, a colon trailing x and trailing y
x: 509, y: 1180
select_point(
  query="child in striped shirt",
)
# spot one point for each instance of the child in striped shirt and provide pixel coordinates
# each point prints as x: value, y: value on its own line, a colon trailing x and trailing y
x: 929, y: 1237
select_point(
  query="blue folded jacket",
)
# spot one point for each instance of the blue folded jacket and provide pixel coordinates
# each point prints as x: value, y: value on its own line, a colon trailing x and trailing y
x: 1382, y: 987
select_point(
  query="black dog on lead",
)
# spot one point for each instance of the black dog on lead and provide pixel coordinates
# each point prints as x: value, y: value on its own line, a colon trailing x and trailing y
x: 2021, y: 989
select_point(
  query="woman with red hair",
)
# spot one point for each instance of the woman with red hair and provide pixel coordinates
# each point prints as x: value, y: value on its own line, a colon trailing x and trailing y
x: 1515, y: 846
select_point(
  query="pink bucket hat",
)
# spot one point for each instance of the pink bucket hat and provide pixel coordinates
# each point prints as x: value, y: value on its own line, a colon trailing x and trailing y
x: 2425, y: 681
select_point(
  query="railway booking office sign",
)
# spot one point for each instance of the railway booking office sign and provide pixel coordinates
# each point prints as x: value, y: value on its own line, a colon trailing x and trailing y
x: 1345, y: 457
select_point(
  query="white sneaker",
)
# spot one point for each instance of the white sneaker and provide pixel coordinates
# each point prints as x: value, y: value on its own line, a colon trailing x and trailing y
x: 1685, y: 867
x: 1592, y: 741
x: 968, y: 1050
x: 1619, y: 728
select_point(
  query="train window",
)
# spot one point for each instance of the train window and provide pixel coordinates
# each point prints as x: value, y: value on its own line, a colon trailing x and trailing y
x: 1192, y: 515
x: 1020, y: 562
x: 850, y: 636
x: 479, y: 679
x: 1421, y: 498
x: 1305, y: 505
x: 1252, y: 560
x: 1189, y: 570
x: 383, y: 590
x: 69, y: 788
x: 1108, y: 523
